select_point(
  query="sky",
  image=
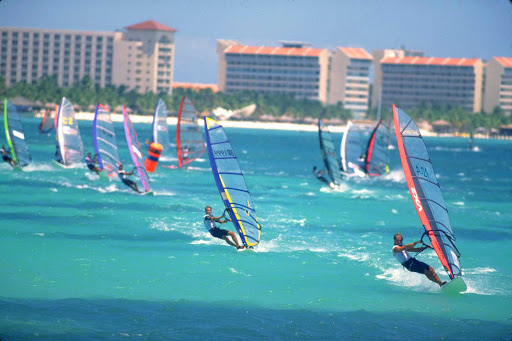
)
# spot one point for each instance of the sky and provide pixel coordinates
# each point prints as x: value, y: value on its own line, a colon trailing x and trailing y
x: 441, y: 28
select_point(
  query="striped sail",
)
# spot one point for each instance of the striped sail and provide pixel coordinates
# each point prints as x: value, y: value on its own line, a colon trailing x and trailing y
x: 231, y: 183
x: 135, y: 151
x: 69, y: 141
x: 160, y: 133
x: 377, y: 152
x: 104, y: 140
x: 15, y: 135
x: 329, y: 153
x: 351, y: 151
x: 189, y: 139
x: 426, y: 192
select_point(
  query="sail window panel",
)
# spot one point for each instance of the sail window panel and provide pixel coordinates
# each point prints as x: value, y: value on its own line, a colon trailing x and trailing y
x: 432, y: 191
x: 422, y: 169
x: 441, y: 215
x: 415, y: 147
x: 217, y: 135
x: 234, y: 181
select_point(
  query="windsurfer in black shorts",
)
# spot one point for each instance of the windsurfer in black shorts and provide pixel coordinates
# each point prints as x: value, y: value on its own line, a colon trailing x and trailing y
x: 410, y: 263
x: 209, y: 223
x: 122, y: 175
x: 91, y: 163
x: 7, y: 157
x: 319, y: 174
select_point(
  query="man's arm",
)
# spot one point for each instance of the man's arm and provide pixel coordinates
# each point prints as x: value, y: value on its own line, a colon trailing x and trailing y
x: 407, y: 247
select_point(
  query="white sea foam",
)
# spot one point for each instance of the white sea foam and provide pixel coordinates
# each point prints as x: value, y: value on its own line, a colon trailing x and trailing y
x: 394, y: 175
x: 459, y: 203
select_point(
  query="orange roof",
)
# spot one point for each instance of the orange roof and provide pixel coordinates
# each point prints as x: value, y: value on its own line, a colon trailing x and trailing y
x: 355, y: 52
x: 283, y: 51
x: 429, y: 61
x: 505, y: 61
x: 150, y: 25
x: 195, y: 86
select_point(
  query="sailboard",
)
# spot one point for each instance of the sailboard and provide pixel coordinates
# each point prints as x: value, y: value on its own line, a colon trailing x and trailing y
x: 352, y: 151
x: 329, y: 153
x: 46, y: 124
x: 136, y: 152
x: 160, y: 132
x: 231, y: 183
x: 105, y: 142
x: 70, y: 148
x: 426, y: 193
x: 189, y: 139
x: 377, y: 151
x: 15, y: 136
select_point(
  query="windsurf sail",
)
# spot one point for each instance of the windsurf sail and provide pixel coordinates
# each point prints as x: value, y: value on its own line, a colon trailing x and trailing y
x: 70, y: 147
x: 189, y: 139
x: 377, y: 152
x: 329, y: 153
x: 135, y: 151
x: 46, y: 124
x: 352, y: 155
x: 104, y: 140
x: 425, y: 192
x: 160, y: 133
x: 56, y: 116
x: 231, y: 183
x: 15, y: 135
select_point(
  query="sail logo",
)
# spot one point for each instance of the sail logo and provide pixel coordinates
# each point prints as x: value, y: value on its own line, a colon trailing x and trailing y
x: 416, y: 199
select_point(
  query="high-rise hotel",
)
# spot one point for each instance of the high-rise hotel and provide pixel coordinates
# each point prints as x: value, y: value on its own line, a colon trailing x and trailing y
x: 498, y: 85
x: 141, y: 57
x: 411, y: 81
x: 297, y: 69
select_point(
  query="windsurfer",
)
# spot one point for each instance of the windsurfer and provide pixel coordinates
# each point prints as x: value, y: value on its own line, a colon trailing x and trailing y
x: 319, y: 174
x: 411, y: 263
x: 122, y: 175
x: 209, y: 223
x: 91, y: 163
x: 7, y: 157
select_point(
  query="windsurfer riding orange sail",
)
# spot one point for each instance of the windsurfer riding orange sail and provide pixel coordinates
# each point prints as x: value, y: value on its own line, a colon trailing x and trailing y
x: 427, y: 197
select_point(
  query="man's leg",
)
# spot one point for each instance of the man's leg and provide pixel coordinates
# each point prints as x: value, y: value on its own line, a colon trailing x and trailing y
x: 431, y: 274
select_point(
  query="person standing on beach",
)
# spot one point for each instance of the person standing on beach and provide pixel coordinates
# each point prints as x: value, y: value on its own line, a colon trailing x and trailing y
x: 215, y: 231
x: 411, y: 263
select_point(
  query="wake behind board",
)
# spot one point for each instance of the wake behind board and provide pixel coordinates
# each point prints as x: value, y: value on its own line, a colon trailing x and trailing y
x: 455, y: 286
x: 248, y: 249
x: 55, y: 162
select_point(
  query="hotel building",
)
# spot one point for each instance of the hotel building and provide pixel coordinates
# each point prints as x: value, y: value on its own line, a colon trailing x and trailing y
x: 411, y: 81
x: 300, y: 71
x: 141, y: 57
x: 498, y: 85
x: 297, y: 69
x: 349, y: 81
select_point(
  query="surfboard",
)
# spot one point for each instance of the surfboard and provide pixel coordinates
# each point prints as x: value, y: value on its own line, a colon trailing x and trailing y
x: 247, y: 249
x: 55, y: 162
x: 455, y: 286
x: 147, y: 193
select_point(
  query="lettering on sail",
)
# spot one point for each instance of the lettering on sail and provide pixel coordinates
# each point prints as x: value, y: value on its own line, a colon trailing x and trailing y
x: 416, y: 199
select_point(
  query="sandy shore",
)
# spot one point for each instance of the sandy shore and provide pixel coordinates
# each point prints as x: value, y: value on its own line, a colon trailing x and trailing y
x: 87, y: 116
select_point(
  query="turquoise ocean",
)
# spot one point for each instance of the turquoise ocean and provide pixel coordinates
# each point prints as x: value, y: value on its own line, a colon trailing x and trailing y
x: 84, y: 259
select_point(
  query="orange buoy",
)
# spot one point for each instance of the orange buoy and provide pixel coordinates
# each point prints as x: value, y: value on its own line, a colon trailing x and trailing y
x: 155, y: 149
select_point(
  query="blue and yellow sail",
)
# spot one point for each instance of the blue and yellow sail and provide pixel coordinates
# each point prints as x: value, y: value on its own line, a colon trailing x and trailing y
x: 231, y: 183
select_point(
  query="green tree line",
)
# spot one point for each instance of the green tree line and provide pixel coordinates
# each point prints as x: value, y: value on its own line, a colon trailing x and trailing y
x: 85, y: 93
x: 460, y: 119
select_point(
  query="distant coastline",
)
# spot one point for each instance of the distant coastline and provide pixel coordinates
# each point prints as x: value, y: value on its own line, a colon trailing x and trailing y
x: 89, y: 116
